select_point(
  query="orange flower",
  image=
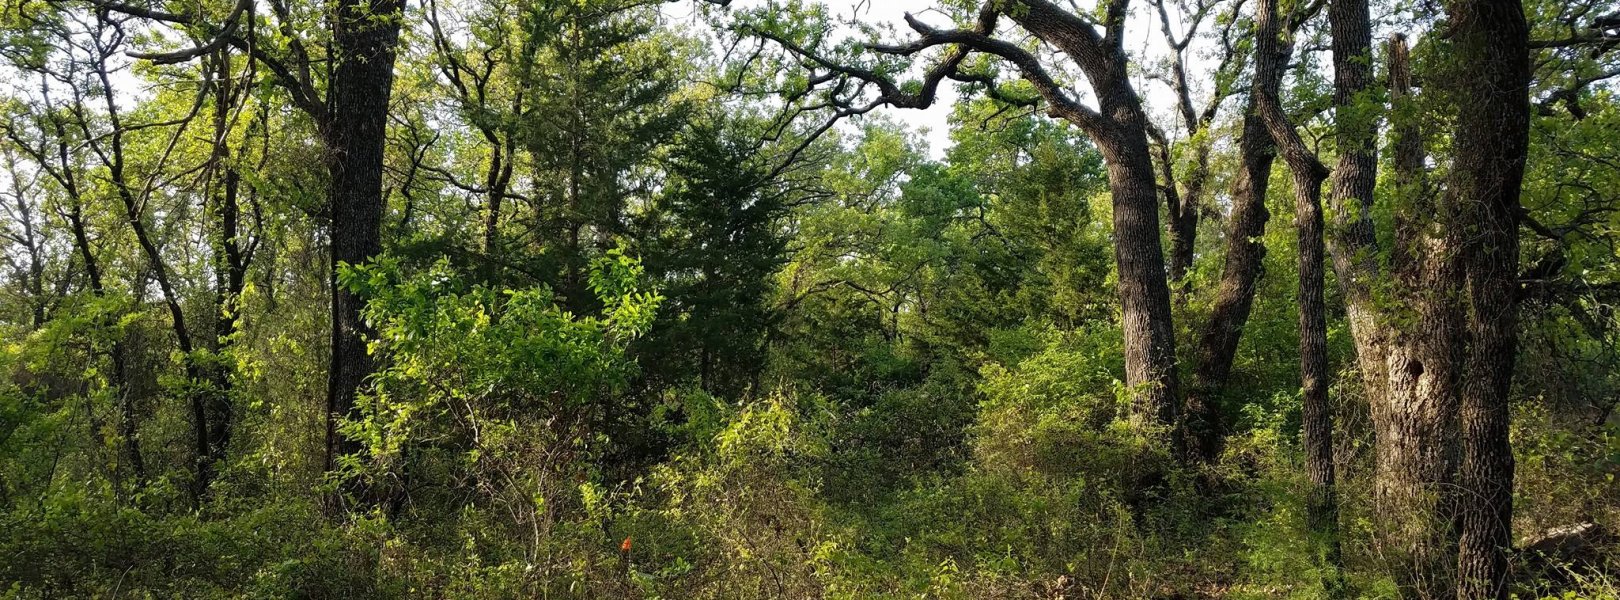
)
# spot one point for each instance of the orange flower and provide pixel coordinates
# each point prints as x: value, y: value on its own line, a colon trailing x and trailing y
x: 625, y: 547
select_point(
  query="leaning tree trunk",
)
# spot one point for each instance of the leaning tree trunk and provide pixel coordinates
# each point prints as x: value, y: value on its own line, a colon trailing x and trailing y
x: 1234, y: 295
x: 1491, y: 44
x: 1119, y: 129
x: 1322, y: 512
x: 366, y: 39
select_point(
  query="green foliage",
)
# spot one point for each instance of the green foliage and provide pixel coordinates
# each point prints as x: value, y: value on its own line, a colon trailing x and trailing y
x: 712, y: 241
x: 472, y: 354
x: 729, y: 334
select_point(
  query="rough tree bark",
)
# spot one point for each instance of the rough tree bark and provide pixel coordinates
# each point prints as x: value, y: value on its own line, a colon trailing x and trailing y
x: 1415, y: 418
x: 1234, y: 295
x: 1184, y: 207
x: 365, y: 41
x: 1490, y: 50
x: 1351, y: 242
x: 1121, y: 135
x: 1406, y: 349
x: 1184, y: 202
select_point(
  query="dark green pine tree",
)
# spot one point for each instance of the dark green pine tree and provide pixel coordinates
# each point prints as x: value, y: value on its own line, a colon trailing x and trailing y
x: 604, y: 80
x: 713, y: 240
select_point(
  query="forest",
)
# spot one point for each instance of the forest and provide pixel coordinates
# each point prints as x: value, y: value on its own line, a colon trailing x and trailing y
x: 846, y: 299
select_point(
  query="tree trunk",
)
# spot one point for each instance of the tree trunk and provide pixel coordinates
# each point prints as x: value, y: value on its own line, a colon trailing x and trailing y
x: 1491, y: 41
x: 1234, y: 297
x: 1322, y: 513
x: 1183, y: 213
x: 230, y: 266
x: 1184, y: 205
x: 1145, y: 316
x: 503, y: 158
x: 1416, y: 418
x: 366, y: 39
x: 65, y: 175
x: 33, y: 241
x: 1408, y: 354
x: 1150, y: 358
x: 113, y: 158
x: 500, y: 171
x: 1351, y: 241
x: 1322, y: 509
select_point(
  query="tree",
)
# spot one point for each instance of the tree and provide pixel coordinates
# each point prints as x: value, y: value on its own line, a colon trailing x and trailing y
x: 494, y: 103
x: 1234, y: 294
x: 365, y: 35
x: 93, y: 119
x: 1490, y: 54
x: 1316, y: 414
x: 1184, y: 201
x: 713, y: 239
x: 1118, y: 126
x: 352, y: 118
x: 603, y: 101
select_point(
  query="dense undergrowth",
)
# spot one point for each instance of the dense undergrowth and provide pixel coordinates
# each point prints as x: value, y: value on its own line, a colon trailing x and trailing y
x: 1053, y: 494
